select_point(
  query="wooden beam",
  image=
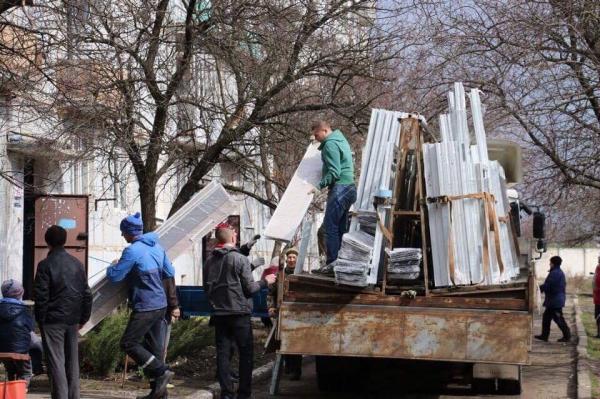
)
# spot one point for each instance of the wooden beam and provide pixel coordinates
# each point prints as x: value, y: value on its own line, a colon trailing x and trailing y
x: 396, y: 300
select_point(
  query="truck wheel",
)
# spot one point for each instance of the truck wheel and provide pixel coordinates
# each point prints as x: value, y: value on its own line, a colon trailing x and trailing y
x: 337, y: 374
x: 483, y: 386
x: 510, y: 387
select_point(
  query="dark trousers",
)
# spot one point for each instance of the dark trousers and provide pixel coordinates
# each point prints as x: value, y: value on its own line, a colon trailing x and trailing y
x: 230, y: 330
x: 18, y: 370
x: 62, y: 357
x: 339, y: 200
x: 143, y: 341
x: 556, y: 315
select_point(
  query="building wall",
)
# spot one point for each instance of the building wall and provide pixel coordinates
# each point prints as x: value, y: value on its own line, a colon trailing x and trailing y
x: 576, y: 261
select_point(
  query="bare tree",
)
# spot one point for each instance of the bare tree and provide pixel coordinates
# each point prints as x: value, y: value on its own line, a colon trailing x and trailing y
x: 538, y: 64
x: 179, y: 87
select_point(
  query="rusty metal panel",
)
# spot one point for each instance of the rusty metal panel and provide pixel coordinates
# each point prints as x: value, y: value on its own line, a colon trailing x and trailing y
x: 69, y: 212
x: 500, y: 337
x: 405, y: 332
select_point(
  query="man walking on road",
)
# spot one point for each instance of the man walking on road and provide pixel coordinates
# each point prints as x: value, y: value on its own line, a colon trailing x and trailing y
x: 145, y: 265
x: 63, y: 303
x: 338, y: 177
x: 229, y: 286
x: 554, y: 289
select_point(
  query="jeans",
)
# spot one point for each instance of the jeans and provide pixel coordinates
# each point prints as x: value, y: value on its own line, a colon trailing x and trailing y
x: 556, y: 315
x: 339, y: 200
x: 62, y: 355
x: 148, y: 326
x: 229, y: 330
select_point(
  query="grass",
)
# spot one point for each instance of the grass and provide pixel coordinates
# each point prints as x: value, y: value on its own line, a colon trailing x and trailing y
x: 589, y: 324
x: 101, y: 355
x: 189, y: 337
x: 595, y: 385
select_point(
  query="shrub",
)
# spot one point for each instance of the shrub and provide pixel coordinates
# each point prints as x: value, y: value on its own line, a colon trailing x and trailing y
x: 100, y: 351
x: 188, y: 337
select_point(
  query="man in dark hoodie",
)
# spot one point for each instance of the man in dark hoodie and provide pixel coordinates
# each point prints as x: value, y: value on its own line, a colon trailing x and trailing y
x: 145, y: 265
x: 338, y: 177
x: 16, y: 325
x: 63, y: 303
x: 229, y: 286
x: 555, y: 293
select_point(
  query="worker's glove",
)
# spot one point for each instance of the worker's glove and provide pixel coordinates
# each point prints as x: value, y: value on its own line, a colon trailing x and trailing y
x: 411, y: 294
x: 315, y: 191
x: 257, y: 262
x: 253, y: 241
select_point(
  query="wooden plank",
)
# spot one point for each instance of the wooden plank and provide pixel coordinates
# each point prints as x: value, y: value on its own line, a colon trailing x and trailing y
x: 462, y: 290
x: 310, y: 282
x: 397, y: 300
x: 406, y: 213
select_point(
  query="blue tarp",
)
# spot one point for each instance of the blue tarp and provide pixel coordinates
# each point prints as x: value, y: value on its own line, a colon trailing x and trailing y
x: 193, y: 302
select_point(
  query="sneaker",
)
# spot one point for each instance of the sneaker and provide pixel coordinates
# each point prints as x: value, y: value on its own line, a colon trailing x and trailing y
x: 541, y: 338
x: 564, y: 339
x: 326, y: 270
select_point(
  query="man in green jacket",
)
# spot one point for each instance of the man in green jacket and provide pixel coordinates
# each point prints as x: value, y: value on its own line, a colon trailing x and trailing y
x: 338, y: 177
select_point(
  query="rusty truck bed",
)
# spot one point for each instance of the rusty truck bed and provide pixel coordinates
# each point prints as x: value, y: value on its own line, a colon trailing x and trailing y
x: 487, y: 326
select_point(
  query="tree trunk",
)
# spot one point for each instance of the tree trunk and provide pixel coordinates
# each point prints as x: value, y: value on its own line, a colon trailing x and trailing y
x: 148, y: 205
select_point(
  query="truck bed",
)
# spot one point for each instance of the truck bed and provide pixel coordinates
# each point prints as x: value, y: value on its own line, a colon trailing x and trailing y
x: 490, y: 324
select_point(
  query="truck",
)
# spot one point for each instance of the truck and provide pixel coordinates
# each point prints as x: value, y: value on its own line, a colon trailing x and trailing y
x: 478, y: 336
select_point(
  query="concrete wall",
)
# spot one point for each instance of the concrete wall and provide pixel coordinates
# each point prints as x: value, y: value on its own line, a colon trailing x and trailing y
x: 576, y: 261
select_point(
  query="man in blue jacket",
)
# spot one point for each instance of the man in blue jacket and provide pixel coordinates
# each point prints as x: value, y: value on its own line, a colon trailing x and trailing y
x: 554, y: 289
x: 144, y: 264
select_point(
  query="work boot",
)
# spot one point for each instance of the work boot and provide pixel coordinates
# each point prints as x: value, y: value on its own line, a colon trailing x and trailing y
x: 326, y: 270
x: 150, y: 395
x: 564, y: 339
x: 161, y: 385
x: 541, y: 338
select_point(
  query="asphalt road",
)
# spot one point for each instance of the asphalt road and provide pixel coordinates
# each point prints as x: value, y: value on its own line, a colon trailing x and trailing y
x: 551, y: 375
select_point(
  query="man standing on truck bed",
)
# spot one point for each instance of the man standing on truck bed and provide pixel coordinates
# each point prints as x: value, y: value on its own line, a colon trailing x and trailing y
x: 554, y: 289
x: 145, y: 265
x: 229, y: 286
x: 338, y: 177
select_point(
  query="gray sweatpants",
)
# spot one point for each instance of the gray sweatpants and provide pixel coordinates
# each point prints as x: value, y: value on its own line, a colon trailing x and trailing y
x: 62, y: 356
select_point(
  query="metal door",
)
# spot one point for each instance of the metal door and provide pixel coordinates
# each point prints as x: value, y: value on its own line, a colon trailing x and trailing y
x: 71, y: 213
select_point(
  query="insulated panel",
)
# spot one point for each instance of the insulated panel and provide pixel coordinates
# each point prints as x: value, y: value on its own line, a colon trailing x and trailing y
x: 196, y: 218
x: 296, y: 199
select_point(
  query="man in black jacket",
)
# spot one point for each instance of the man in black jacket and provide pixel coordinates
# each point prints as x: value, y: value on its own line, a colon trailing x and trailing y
x: 63, y: 303
x: 229, y: 286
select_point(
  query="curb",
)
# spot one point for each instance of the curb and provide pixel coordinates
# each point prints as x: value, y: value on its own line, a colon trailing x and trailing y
x: 214, y: 390
x: 584, y: 385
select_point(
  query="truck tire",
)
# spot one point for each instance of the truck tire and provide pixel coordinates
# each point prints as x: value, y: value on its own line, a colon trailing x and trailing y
x: 337, y: 374
x: 498, y: 386
x: 510, y: 387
